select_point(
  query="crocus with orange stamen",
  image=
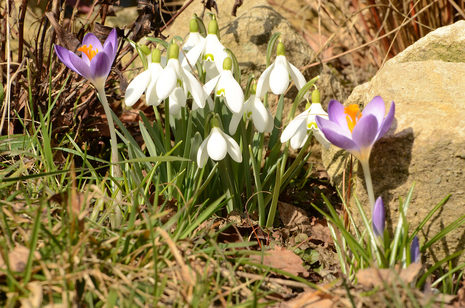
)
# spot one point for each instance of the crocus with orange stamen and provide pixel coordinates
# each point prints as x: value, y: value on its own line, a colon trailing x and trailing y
x: 96, y: 59
x: 95, y: 65
x: 356, y: 131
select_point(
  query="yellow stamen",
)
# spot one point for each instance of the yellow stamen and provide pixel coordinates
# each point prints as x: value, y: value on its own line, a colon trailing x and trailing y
x: 89, y: 51
x: 353, y: 115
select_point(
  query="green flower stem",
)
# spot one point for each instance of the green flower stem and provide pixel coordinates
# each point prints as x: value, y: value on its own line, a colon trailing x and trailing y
x: 369, y: 183
x: 246, y: 161
x: 115, y: 169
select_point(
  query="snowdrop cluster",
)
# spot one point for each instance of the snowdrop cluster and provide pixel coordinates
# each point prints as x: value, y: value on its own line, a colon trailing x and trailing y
x: 176, y: 83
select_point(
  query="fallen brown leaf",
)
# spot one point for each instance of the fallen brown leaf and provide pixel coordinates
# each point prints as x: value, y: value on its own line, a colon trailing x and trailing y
x: 17, y: 258
x: 283, y: 259
x: 380, y: 277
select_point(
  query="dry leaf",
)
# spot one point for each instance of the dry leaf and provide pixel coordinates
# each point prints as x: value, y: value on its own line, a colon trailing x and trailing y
x: 380, y: 277
x: 293, y: 216
x: 283, y: 259
x: 18, y: 258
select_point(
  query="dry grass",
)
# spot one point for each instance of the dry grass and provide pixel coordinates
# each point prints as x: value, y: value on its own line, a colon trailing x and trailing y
x: 357, y: 37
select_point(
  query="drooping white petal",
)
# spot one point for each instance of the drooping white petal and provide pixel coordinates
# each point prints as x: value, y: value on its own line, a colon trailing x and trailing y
x: 192, y: 41
x: 214, y: 51
x: 209, y: 86
x: 300, y: 136
x: 194, y: 87
x: 279, y: 76
x: 229, y: 88
x: 291, y: 129
x: 321, y: 138
x: 263, y: 84
x: 296, y: 75
x: 137, y: 86
x: 217, y: 146
x: 151, y: 94
x: 270, y: 126
x: 260, y: 115
x: 167, y: 81
x: 235, y: 120
x: 177, y: 100
x: 233, y: 148
x: 193, y: 55
x: 202, y: 153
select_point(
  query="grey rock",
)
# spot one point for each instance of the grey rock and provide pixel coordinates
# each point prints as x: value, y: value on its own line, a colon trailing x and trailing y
x: 426, y: 142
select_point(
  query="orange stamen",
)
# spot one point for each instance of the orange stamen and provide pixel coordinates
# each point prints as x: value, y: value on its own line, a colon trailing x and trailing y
x: 353, y: 115
x: 89, y: 51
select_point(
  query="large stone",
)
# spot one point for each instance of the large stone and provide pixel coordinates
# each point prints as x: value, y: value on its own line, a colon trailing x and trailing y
x: 426, y: 143
x: 247, y: 35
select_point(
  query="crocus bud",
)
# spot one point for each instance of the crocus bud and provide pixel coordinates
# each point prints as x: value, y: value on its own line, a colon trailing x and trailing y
x: 415, y: 250
x: 379, y: 217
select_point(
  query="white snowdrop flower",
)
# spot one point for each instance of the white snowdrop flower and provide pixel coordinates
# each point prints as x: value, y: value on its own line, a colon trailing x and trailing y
x: 144, y: 80
x: 253, y: 109
x: 172, y: 77
x: 216, y: 146
x: 194, y: 37
x: 276, y: 76
x: 225, y: 85
x: 298, y: 129
x: 212, y: 51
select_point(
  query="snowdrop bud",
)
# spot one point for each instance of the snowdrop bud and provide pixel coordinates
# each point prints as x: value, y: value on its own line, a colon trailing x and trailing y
x: 156, y: 56
x: 379, y: 218
x: 316, y: 99
x: 174, y: 51
x: 281, y: 51
x: 227, y: 64
x: 193, y: 26
x: 213, y: 27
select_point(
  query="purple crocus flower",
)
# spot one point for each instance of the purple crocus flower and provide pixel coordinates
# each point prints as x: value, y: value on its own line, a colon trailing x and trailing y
x: 95, y: 61
x: 379, y: 218
x: 356, y: 131
x: 415, y: 250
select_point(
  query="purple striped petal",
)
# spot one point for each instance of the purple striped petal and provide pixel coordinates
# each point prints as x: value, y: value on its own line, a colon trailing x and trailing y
x: 91, y: 39
x: 100, y: 66
x: 332, y: 132
x: 63, y: 55
x: 336, y: 114
x: 387, y: 122
x: 111, y: 45
x: 365, y: 131
x: 80, y: 66
x: 375, y: 107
